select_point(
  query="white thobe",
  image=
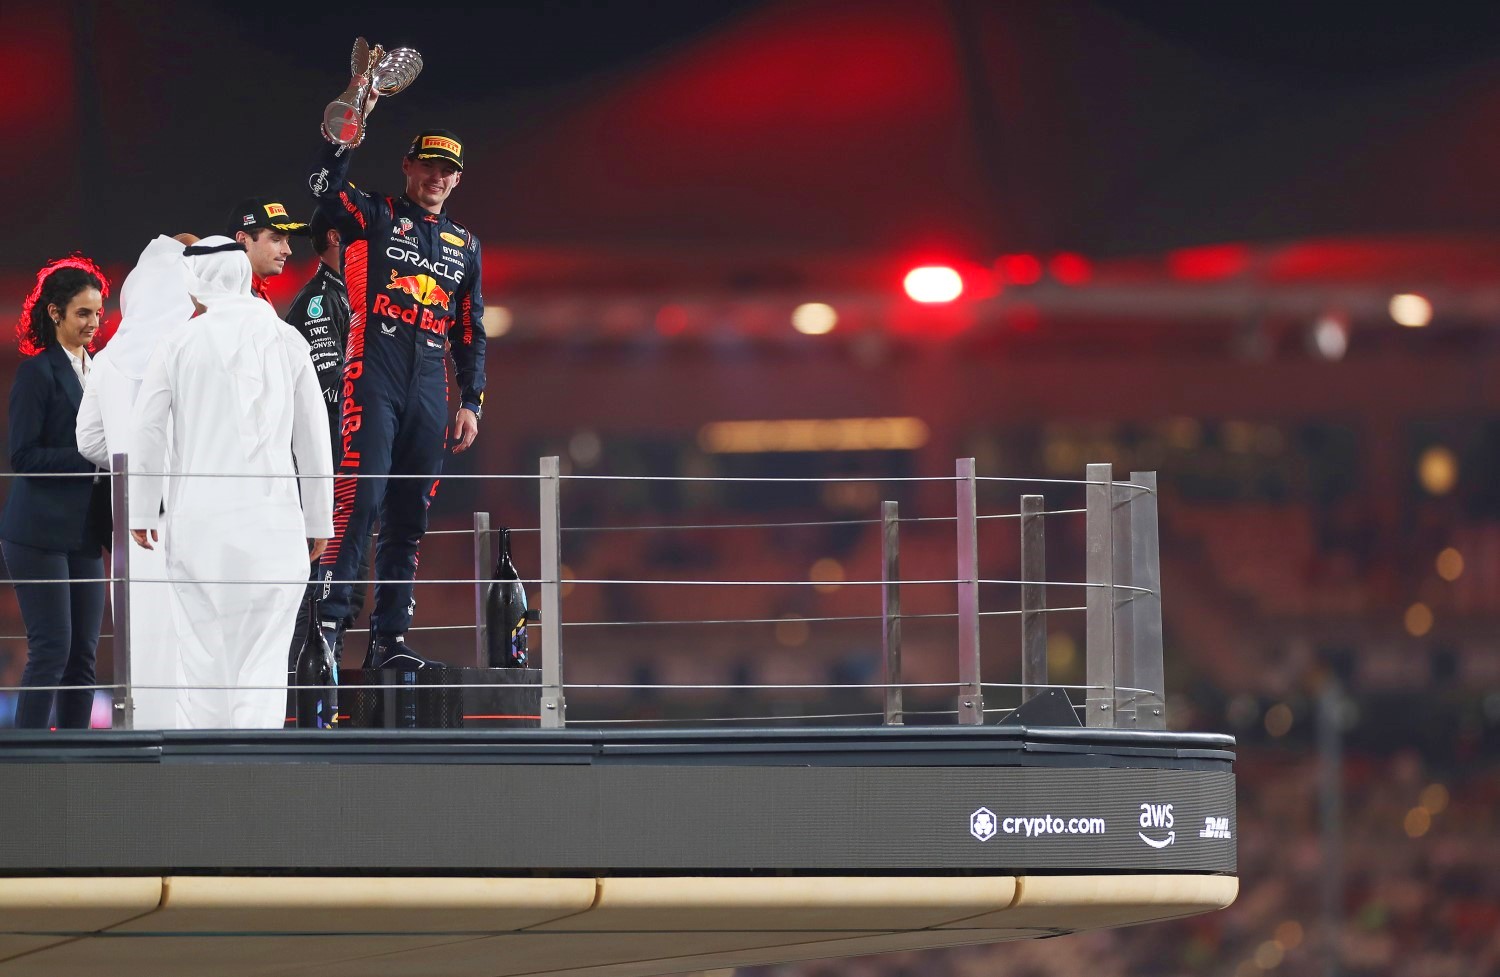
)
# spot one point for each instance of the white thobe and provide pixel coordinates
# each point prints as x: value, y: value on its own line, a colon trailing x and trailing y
x: 154, y: 303
x: 155, y: 665
x: 239, y: 390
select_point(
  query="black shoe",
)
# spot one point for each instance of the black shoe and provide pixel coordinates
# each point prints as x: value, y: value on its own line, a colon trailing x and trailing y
x: 392, y: 651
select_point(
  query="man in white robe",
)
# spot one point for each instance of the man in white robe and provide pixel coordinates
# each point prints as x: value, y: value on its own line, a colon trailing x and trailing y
x: 154, y: 303
x: 233, y: 393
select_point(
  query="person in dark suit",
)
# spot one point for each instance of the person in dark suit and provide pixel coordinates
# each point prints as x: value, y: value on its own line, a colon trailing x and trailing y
x: 54, y: 528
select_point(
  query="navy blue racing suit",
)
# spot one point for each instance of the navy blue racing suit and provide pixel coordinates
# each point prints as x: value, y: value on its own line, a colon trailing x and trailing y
x: 413, y: 279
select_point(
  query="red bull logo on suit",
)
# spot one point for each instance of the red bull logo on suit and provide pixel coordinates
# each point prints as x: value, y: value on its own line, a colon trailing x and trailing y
x: 423, y: 288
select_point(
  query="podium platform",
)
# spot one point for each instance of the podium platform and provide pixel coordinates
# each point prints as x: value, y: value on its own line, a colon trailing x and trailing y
x: 440, y: 698
x: 620, y: 853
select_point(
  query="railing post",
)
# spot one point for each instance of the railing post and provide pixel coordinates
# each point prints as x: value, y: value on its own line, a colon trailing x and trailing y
x: 1033, y: 597
x: 1123, y: 605
x: 482, y: 564
x: 971, y: 691
x: 554, y: 708
x: 890, y: 609
x: 122, y: 699
x: 1150, y: 671
x: 1099, y: 653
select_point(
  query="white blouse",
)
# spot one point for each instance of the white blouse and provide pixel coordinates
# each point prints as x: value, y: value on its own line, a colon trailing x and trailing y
x: 81, y: 366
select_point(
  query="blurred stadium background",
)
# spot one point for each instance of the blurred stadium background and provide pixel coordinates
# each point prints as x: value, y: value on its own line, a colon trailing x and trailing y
x: 1255, y: 248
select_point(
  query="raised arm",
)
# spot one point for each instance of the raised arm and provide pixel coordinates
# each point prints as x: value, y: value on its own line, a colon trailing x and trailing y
x: 347, y: 207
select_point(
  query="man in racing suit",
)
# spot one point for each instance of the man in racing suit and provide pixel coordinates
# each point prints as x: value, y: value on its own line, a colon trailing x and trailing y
x: 413, y: 278
x: 320, y: 314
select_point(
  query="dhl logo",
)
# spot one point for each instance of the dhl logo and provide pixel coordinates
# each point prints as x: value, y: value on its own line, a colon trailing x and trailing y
x: 438, y: 142
x: 423, y: 288
x: 275, y: 210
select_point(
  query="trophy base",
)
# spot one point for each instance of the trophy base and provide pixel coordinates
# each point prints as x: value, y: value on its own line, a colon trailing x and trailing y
x: 343, y: 125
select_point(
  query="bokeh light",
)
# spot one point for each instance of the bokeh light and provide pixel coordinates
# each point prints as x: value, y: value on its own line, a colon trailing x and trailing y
x: 1062, y: 650
x: 814, y: 318
x: 1019, y: 269
x: 1411, y: 310
x: 1437, y: 470
x: 497, y: 321
x: 1289, y: 934
x: 1418, y: 620
x: 827, y: 573
x: 1450, y: 564
x: 1330, y: 337
x: 1268, y: 955
x: 792, y: 633
x: 933, y: 284
x: 1070, y: 269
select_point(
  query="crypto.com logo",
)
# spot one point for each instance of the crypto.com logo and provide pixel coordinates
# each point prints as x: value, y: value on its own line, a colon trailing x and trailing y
x: 982, y: 824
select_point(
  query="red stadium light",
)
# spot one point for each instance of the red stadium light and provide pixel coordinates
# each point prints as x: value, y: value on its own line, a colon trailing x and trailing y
x: 1071, y: 269
x: 1019, y: 269
x: 933, y: 284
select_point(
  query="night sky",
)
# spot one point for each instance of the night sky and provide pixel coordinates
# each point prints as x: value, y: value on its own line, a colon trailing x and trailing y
x: 1109, y: 125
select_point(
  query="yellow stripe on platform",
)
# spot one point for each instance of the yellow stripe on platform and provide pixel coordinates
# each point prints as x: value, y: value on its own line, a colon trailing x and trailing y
x: 481, y: 927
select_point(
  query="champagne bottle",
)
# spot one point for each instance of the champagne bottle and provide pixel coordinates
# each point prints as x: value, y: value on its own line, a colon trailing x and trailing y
x: 505, y: 612
x: 317, y: 708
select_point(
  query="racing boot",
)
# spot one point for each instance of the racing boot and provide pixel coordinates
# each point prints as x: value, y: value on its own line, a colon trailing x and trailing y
x: 392, y: 651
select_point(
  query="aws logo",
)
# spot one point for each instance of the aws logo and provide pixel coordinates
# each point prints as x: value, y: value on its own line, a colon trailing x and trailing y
x: 423, y: 288
x: 1154, y: 817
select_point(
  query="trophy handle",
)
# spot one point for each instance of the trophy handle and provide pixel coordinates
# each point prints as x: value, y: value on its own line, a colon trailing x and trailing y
x: 359, y: 58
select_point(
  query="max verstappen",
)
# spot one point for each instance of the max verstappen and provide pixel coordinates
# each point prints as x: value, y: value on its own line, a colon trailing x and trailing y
x: 413, y: 278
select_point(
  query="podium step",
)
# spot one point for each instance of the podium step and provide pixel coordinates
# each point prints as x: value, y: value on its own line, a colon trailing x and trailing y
x: 436, y: 698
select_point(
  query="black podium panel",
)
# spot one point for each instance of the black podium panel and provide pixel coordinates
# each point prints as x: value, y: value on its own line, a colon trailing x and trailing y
x: 981, y: 799
x: 437, y: 698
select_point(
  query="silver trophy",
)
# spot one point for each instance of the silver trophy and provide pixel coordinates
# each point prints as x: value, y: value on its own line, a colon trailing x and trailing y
x: 374, y: 72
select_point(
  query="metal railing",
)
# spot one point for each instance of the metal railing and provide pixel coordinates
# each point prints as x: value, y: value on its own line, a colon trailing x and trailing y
x: 1123, y: 684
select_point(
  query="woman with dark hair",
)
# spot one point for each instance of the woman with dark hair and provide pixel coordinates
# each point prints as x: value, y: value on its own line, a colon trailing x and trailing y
x: 53, y: 529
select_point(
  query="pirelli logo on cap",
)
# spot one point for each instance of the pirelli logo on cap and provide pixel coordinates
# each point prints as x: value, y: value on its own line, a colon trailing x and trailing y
x: 275, y: 210
x: 440, y: 142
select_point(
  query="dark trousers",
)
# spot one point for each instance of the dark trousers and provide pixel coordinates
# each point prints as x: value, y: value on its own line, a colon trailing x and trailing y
x: 62, y: 632
x: 314, y: 589
x: 401, y: 428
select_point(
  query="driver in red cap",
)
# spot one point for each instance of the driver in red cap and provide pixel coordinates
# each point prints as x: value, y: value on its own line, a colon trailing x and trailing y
x: 264, y: 228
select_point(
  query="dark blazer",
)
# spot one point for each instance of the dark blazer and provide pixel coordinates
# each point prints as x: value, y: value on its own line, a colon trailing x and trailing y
x: 51, y: 513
